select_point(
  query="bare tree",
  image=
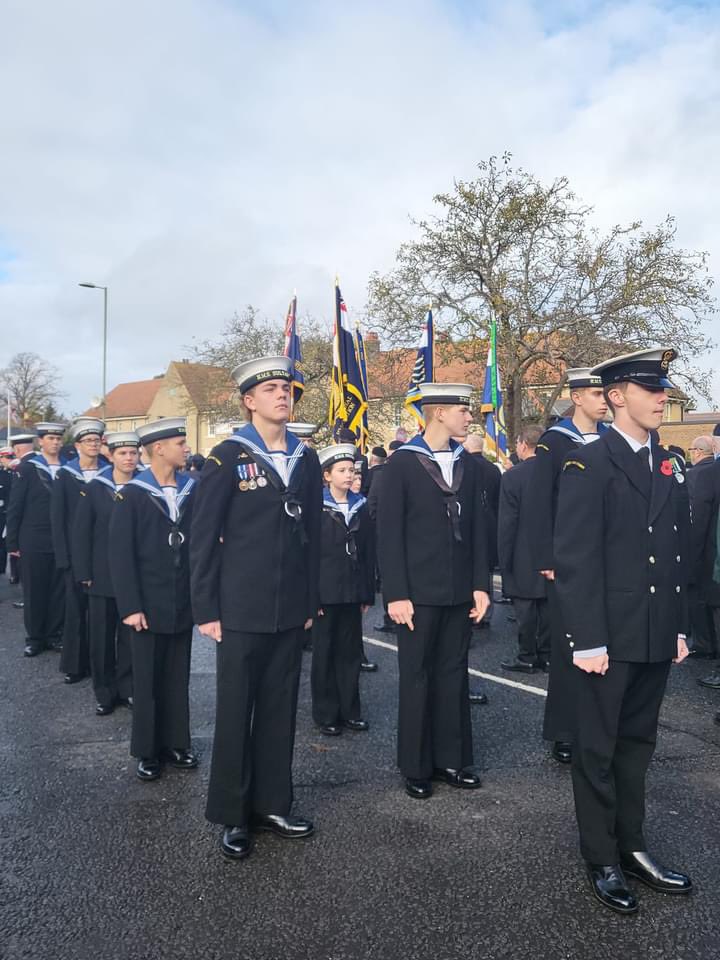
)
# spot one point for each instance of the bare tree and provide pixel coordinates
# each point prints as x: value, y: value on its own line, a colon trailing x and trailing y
x: 509, y: 248
x: 32, y: 385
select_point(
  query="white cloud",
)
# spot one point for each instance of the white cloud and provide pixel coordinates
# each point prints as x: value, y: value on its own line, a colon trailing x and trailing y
x: 197, y: 155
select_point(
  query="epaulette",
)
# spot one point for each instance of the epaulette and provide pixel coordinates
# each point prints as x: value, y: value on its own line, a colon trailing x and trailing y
x: 542, y: 446
x: 215, y: 459
x: 573, y: 463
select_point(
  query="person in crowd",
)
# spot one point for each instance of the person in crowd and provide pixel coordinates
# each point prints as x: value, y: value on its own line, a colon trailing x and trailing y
x: 703, y: 638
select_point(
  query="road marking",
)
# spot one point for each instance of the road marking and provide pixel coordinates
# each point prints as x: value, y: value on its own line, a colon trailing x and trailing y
x: 538, y: 691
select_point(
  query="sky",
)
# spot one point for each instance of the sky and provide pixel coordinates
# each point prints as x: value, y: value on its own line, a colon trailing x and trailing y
x: 196, y: 156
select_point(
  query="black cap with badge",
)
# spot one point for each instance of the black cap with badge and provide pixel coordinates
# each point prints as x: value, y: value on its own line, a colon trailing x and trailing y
x: 646, y: 368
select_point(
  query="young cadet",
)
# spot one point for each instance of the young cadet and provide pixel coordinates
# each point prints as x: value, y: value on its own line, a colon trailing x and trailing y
x: 347, y: 589
x: 621, y: 579
x: 72, y: 477
x: 563, y: 438
x: 255, y: 558
x: 29, y: 537
x: 149, y: 533
x: 303, y: 431
x: 110, y: 638
x: 432, y: 548
x: 22, y: 446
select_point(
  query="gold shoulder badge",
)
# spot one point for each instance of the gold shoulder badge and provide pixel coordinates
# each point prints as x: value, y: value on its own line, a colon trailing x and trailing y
x: 243, y: 456
x: 215, y: 459
x: 573, y: 463
x: 542, y: 446
x: 667, y: 356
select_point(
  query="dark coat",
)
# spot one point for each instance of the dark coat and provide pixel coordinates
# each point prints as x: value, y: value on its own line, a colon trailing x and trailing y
x: 374, y: 488
x: 91, y: 535
x: 704, y: 504
x: 490, y: 478
x: 420, y: 558
x: 347, y: 555
x: 28, y: 518
x: 550, y: 453
x: 149, y: 574
x: 253, y: 566
x: 65, y: 498
x: 620, y: 573
x: 520, y: 576
x: 6, y: 479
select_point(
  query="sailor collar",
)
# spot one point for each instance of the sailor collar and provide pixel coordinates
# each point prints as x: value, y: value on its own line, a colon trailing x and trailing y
x: 148, y: 482
x: 355, y: 503
x: 73, y: 467
x: 251, y: 441
x: 418, y: 444
x: 567, y: 427
x: 38, y: 460
x: 106, y: 477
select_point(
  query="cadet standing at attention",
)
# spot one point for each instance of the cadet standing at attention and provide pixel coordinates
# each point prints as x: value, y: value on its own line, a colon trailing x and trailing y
x: 563, y: 438
x: 110, y: 638
x: 149, y: 567
x: 29, y: 537
x: 432, y: 547
x: 347, y: 589
x: 255, y: 559
x: 621, y: 579
x: 72, y: 477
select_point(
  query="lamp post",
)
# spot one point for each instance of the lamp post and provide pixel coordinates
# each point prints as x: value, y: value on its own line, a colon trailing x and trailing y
x: 97, y: 286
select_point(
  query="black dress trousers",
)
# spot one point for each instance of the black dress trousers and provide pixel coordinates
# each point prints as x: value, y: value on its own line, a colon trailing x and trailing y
x: 110, y: 651
x: 616, y: 727
x: 161, y: 674
x: 257, y: 690
x: 434, y: 729
x: 558, y: 720
x: 533, y: 620
x: 337, y: 655
x: 75, y: 657
x: 43, y: 595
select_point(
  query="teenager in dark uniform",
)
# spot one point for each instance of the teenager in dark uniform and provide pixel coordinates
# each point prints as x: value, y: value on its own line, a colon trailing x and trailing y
x: 432, y: 547
x: 255, y: 561
x: 22, y: 446
x: 6, y: 479
x: 347, y: 589
x: 149, y: 567
x: 561, y: 439
x: 110, y: 638
x: 72, y: 477
x: 303, y: 431
x: 29, y: 537
x: 621, y: 579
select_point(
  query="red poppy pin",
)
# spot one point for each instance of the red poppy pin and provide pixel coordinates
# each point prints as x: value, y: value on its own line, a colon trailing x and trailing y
x: 666, y: 468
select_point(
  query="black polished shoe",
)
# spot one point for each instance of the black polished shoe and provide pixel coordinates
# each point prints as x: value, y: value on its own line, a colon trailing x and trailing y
x: 330, y: 729
x: 182, y: 759
x: 517, y: 666
x: 18, y: 604
x: 74, y: 677
x: 149, y: 768
x: 236, y: 843
x: 466, y: 778
x: 562, y: 751
x: 104, y: 710
x: 418, y: 789
x: 290, y: 828
x: 368, y: 666
x: 543, y: 665
x: 477, y: 697
x: 610, y: 888
x: 125, y: 702
x: 642, y: 866
x: 702, y: 655
x: 359, y: 726
x: 54, y: 644
x: 712, y: 681
x: 385, y: 627
x: 32, y: 648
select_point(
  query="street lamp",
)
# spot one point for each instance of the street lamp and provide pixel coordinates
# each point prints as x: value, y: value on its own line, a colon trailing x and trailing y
x: 97, y: 286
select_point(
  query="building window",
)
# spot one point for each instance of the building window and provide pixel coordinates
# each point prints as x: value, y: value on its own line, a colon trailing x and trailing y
x: 211, y: 428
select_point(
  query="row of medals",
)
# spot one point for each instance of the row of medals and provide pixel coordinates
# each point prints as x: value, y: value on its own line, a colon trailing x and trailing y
x: 254, y: 482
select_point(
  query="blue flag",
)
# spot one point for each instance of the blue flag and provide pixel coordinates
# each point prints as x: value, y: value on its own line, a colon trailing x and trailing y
x: 348, y: 400
x: 293, y: 349
x: 422, y: 371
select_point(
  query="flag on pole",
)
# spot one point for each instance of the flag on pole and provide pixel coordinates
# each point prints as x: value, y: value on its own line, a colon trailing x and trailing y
x: 348, y: 396
x: 422, y: 371
x: 492, y: 404
x: 293, y: 350
x: 362, y: 361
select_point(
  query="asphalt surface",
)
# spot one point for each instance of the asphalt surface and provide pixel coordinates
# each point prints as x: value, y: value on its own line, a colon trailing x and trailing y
x: 95, y: 864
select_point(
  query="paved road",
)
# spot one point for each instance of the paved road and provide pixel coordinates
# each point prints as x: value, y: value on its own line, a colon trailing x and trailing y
x: 95, y: 864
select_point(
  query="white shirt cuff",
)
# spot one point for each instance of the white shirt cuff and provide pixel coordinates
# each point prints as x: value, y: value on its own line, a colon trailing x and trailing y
x: 584, y: 654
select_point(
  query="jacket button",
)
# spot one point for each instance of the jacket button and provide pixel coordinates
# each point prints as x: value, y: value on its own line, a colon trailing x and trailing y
x: 651, y: 559
x: 571, y: 644
x: 678, y: 558
x: 569, y: 636
x: 675, y: 527
x: 649, y: 529
x: 652, y: 589
x: 677, y: 589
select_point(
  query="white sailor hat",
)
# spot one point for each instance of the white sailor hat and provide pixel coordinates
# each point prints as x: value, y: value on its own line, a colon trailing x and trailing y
x: 6, y: 452
x: 50, y: 429
x: 335, y: 453
x: 82, y: 426
x: 162, y: 430
x: 252, y: 372
x: 450, y: 393
x: 578, y: 377
x: 22, y: 438
x: 647, y: 368
x: 302, y: 429
x: 126, y: 438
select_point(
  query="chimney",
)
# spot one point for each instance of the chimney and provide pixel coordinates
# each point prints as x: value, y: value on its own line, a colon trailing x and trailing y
x: 372, y: 342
